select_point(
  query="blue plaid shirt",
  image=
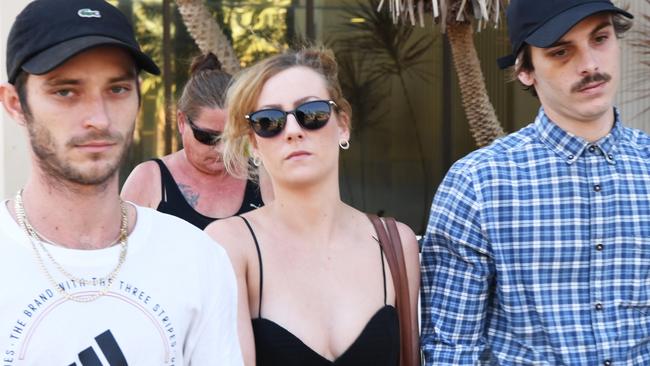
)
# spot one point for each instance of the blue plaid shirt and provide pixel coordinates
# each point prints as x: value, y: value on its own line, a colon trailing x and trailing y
x: 537, y: 252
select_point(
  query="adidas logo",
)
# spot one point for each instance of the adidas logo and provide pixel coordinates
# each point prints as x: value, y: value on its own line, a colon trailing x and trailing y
x: 109, y: 348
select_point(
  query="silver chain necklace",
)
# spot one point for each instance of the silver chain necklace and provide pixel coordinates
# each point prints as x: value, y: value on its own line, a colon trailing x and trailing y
x: 37, y: 243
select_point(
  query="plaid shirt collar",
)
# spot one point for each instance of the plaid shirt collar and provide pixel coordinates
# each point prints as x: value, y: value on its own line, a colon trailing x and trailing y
x: 570, y: 147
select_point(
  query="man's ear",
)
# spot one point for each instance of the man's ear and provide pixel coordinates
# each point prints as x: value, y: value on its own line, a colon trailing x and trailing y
x: 11, y: 102
x: 526, y: 77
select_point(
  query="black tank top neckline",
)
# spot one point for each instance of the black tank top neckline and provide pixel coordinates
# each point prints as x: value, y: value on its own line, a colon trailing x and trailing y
x: 377, y: 345
x: 174, y: 203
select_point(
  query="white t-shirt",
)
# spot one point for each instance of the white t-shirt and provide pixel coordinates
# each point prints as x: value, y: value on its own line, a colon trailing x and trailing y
x: 174, y: 302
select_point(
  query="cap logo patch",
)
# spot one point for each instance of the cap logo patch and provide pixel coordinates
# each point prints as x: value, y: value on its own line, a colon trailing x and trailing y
x: 88, y: 13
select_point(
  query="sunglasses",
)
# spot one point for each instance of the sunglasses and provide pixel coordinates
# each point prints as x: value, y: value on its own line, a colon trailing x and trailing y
x: 311, y: 115
x: 206, y: 137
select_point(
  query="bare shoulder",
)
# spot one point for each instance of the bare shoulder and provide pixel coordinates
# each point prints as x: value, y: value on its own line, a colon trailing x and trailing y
x: 142, y: 186
x: 409, y: 241
x: 225, y: 228
x: 232, y: 234
x: 407, y: 237
x: 411, y: 250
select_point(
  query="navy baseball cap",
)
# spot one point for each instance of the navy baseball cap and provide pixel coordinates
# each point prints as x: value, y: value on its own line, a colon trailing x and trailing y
x: 541, y: 23
x: 47, y: 33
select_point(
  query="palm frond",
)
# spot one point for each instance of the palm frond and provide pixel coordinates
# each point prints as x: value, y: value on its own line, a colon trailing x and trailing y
x: 483, y: 12
x: 393, y: 47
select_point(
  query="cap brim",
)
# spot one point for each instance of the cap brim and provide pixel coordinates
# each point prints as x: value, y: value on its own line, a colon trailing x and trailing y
x: 551, y: 31
x: 55, y: 56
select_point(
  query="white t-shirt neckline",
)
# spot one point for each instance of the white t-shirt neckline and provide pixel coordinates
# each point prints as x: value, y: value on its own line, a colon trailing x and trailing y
x: 81, y: 257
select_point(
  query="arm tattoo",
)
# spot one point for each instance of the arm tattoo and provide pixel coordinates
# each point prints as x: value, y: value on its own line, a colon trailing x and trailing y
x: 190, y: 196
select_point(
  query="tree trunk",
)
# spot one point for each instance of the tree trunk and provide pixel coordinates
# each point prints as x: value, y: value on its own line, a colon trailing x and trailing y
x: 207, y: 33
x: 482, y: 119
x: 167, y: 77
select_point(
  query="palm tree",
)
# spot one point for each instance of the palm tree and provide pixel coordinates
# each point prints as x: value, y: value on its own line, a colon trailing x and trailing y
x: 367, y: 100
x: 455, y: 18
x: 207, y: 33
x: 395, y: 51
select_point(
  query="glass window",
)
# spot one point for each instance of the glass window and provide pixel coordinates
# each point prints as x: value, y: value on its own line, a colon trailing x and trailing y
x: 408, y: 121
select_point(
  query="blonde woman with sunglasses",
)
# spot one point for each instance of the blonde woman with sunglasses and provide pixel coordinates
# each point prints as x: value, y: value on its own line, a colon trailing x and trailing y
x: 314, y: 286
x: 192, y: 183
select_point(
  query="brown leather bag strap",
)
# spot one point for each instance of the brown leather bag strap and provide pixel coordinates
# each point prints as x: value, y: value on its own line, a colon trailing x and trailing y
x: 391, y: 244
x: 412, y: 346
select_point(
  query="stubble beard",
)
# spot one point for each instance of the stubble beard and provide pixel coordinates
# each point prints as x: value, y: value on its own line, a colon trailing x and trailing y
x: 59, y: 172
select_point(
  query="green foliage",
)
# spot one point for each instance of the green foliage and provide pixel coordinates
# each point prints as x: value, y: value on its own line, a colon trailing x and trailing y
x: 372, y: 53
x: 258, y: 29
x: 395, y: 48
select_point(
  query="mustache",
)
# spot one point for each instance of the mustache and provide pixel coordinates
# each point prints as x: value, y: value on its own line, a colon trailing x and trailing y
x: 593, y: 78
x: 103, y: 135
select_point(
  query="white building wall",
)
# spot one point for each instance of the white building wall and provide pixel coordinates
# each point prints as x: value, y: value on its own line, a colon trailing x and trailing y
x: 634, y: 95
x: 14, y: 158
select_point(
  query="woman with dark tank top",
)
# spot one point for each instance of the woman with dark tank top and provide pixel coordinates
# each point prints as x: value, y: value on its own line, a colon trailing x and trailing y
x: 314, y: 286
x: 192, y: 183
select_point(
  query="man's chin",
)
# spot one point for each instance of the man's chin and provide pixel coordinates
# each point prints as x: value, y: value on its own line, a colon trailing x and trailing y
x: 91, y: 172
x: 595, y: 111
x: 96, y: 169
x: 92, y: 177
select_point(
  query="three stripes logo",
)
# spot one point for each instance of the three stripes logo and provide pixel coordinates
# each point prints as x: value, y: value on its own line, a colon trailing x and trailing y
x: 109, y: 348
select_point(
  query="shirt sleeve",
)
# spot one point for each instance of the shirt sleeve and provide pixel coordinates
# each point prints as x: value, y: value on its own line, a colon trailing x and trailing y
x: 216, y: 341
x: 457, y: 271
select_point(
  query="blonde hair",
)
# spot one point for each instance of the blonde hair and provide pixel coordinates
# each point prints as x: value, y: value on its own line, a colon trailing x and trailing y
x: 243, y: 93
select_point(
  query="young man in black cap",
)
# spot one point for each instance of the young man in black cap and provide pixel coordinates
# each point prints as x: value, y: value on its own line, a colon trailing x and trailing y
x: 88, y: 279
x: 537, y: 250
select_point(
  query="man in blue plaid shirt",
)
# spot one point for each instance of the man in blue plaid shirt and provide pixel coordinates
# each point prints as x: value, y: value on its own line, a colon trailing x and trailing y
x: 537, y: 250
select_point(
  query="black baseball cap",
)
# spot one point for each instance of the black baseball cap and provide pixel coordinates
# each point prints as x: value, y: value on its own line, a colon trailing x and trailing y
x: 47, y: 33
x: 541, y: 23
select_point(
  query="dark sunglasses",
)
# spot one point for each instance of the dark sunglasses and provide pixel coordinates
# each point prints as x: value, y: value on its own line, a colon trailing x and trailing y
x: 206, y: 137
x: 311, y: 115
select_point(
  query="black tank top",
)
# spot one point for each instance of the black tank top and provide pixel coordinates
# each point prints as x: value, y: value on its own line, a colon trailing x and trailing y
x: 377, y: 345
x: 174, y: 203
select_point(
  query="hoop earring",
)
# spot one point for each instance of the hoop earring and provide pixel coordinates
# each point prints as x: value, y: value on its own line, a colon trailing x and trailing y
x: 344, y: 144
x: 257, y: 161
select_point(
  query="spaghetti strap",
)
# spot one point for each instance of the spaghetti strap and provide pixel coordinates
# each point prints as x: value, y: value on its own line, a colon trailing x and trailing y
x: 259, y: 258
x: 383, y: 271
x: 165, y: 176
